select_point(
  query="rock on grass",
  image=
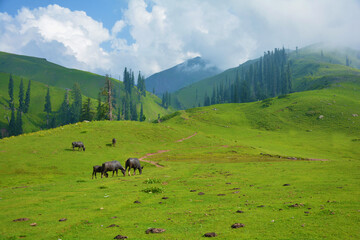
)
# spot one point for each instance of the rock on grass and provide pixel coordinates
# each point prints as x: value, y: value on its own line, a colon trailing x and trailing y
x: 21, y: 220
x: 120, y: 237
x: 155, y: 230
x: 237, y: 225
x: 210, y: 234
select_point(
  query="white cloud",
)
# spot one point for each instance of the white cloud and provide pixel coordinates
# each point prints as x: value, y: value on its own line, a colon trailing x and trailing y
x: 225, y: 32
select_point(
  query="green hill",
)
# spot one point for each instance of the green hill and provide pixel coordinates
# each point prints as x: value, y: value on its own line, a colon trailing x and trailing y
x: 51, y: 74
x: 312, y: 67
x: 274, y: 165
x: 43, y: 74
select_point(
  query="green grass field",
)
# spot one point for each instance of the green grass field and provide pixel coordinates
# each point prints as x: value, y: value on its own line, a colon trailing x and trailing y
x: 241, y: 156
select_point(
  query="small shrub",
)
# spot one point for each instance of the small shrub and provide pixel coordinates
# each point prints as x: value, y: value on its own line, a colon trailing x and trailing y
x: 153, y: 190
x: 167, y: 117
x: 283, y: 96
x: 356, y: 140
x: 267, y: 102
x: 152, y: 180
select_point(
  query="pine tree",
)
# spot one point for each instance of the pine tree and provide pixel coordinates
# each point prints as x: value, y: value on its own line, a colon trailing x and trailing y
x: 27, y: 98
x: 64, y: 111
x: 107, y: 92
x: 21, y: 96
x: 11, y: 92
x: 99, y: 109
x: 87, y: 112
x: 134, y: 114
x: 47, y: 106
x: 76, y: 105
x: 12, y: 124
x: 142, y: 116
x: 18, y: 123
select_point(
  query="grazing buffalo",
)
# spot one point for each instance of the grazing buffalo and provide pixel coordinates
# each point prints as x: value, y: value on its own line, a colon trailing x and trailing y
x: 113, y: 166
x: 97, y: 169
x: 113, y: 142
x: 79, y: 145
x: 133, y: 163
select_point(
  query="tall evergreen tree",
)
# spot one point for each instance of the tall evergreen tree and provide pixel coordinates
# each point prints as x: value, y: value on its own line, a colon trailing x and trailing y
x: 134, y: 114
x: 21, y: 96
x: 100, y: 113
x: 76, y: 104
x: 47, y: 106
x: 142, y: 116
x: 87, y: 112
x: 27, y: 98
x: 18, y: 123
x: 107, y: 92
x: 12, y: 123
x: 64, y: 111
x: 11, y: 92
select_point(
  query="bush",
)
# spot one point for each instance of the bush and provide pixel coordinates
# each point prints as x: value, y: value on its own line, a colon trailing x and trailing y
x: 267, y: 102
x: 283, y: 96
x: 153, y: 190
x: 152, y: 180
x: 167, y: 117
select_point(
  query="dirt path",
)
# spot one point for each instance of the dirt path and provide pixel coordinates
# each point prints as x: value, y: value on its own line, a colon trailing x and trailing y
x: 183, y: 139
x: 152, y: 154
x: 160, y: 152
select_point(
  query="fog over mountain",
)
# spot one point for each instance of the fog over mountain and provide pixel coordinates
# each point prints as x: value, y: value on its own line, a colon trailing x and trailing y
x: 180, y: 76
x: 154, y: 35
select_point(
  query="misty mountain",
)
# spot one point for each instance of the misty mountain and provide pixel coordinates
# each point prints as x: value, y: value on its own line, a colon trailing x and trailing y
x: 181, y: 75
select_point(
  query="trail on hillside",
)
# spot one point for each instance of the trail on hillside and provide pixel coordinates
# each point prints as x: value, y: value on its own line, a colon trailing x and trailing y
x: 183, y: 139
x: 162, y: 151
x: 152, y: 154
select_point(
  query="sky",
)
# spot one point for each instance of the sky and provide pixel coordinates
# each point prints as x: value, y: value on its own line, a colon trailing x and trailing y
x: 149, y: 36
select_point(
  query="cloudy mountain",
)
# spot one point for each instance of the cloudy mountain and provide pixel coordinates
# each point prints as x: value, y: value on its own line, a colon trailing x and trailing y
x: 180, y: 76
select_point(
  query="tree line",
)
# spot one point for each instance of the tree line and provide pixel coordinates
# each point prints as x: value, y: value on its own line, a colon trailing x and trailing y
x: 16, y: 123
x: 113, y: 103
x: 267, y: 77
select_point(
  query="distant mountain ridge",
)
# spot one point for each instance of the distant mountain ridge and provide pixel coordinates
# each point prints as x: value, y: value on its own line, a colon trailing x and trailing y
x: 181, y: 75
x: 312, y: 67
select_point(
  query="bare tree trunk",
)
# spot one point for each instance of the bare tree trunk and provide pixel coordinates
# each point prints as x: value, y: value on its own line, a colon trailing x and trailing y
x: 108, y: 83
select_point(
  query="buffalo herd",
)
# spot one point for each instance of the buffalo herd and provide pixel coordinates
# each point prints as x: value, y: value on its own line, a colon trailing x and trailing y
x: 114, y: 166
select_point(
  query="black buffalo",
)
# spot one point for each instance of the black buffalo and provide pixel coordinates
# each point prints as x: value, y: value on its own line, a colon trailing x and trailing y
x: 79, y: 145
x: 133, y: 163
x: 97, y: 169
x: 113, y: 166
x: 114, y: 142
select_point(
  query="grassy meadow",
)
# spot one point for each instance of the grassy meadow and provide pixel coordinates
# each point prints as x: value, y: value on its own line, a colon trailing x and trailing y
x: 274, y: 166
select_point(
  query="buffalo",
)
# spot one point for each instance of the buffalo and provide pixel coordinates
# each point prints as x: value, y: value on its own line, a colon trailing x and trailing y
x: 113, y: 166
x: 97, y: 169
x: 79, y: 145
x: 133, y: 163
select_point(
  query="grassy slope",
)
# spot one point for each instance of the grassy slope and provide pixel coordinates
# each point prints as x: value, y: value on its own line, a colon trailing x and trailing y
x: 47, y: 181
x: 40, y: 70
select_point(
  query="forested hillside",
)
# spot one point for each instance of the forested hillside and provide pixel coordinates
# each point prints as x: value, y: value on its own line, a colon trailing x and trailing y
x: 58, y: 96
x: 275, y: 73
